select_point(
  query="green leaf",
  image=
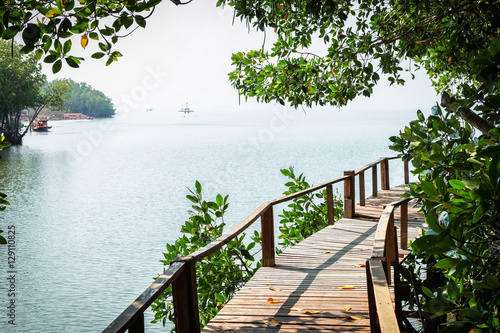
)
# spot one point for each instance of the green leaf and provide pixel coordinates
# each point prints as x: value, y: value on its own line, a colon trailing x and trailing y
x: 458, y: 184
x: 220, y: 298
x: 429, y: 188
x: 427, y: 291
x: 471, y: 183
x: 481, y: 62
x: 140, y: 21
x: 494, y: 169
x: 72, y: 62
x: 447, y: 263
x: 50, y: 59
x: 495, y: 132
x: 98, y: 55
x: 433, y: 222
x: 10, y: 32
x: 285, y: 173
x: 219, y: 200
x: 493, y: 101
x: 420, y: 115
x: 56, y: 67
x: 424, y: 242
x: 494, y: 46
x: 472, y: 313
x: 103, y: 47
x: 67, y: 46
x: 478, y: 214
x: 58, y: 46
x: 492, y: 280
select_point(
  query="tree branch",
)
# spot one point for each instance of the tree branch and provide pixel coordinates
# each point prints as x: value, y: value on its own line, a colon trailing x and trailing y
x: 37, y: 112
x: 469, y: 116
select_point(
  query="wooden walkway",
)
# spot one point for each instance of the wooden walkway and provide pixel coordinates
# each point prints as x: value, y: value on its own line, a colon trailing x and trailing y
x: 303, y: 292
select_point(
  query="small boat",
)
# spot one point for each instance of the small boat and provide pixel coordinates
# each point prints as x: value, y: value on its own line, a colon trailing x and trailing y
x: 40, y: 125
x: 186, y: 109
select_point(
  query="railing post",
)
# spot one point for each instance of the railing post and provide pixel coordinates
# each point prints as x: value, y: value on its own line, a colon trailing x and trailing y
x: 185, y: 298
x: 404, y: 226
x: 374, y: 181
x: 384, y: 174
x: 407, y: 173
x: 349, y: 195
x: 390, y: 239
x: 362, y: 188
x: 138, y: 325
x: 329, y: 205
x: 372, y: 306
x: 267, y: 227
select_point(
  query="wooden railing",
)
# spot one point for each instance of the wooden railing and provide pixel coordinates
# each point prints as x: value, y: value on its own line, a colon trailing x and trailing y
x: 384, y: 256
x: 181, y: 274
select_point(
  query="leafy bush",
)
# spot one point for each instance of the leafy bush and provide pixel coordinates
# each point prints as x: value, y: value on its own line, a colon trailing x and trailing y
x: 306, y: 215
x: 219, y: 275
x: 459, y: 188
x: 223, y: 273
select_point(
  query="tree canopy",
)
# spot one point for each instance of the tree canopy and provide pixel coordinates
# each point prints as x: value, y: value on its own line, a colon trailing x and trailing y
x: 47, y: 27
x: 91, y: 102
x: 363, y: 40
x: 24, y: 87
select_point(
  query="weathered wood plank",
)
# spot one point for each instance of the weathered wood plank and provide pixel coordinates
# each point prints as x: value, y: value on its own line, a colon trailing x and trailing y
x: 309, y: 275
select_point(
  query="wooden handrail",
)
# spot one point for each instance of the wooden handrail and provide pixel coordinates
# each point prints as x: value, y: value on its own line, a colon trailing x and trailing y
x: 368, y: 166
x: 384, y: 256
x: 231, y: 234
x: 384, y: 177
x: 307, y: 191
x: 135, y: 310
x: 181, y: 273
x: 380, y: 296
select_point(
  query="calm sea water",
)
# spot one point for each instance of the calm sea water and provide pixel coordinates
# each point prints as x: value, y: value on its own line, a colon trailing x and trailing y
x: 94, y: 202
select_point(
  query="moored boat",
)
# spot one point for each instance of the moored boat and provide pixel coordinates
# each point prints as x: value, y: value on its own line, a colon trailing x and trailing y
x: 40, y: 125
x: 186, y: 109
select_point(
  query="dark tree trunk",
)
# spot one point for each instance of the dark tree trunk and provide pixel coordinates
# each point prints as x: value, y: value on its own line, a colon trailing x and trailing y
x: 14, y: 138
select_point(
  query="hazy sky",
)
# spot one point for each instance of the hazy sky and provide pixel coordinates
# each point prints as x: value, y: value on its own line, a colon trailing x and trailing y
x: 184, y: 55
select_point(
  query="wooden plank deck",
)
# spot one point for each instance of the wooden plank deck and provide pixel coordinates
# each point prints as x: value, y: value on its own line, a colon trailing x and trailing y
x: 307, y: 277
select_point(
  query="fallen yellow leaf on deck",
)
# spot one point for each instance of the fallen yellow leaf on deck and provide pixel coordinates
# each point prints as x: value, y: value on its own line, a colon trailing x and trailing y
x: 310, y: 311
x: 294, y: 309
x: 272, y: 323
x: 347, y: 308
x: 327, y: 252
x: 360, y: 265
x: 365, y: 250
x: 275, y: 289
x: 272, y: 300
x: 352, y: 318
x: 347, y: 287
x: 225, y: 328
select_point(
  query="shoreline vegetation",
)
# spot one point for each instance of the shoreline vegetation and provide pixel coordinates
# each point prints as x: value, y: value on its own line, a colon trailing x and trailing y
x: 54, y: 115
